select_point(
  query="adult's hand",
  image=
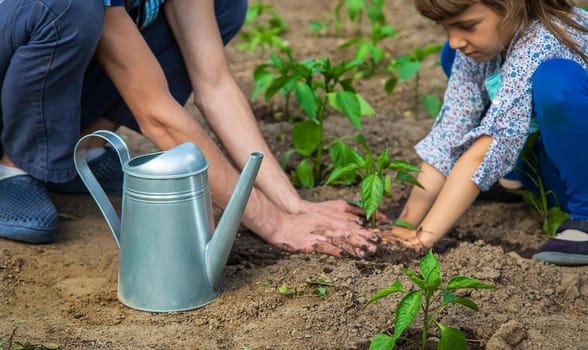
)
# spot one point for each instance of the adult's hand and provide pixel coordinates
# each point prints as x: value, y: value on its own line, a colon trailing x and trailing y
x: 322, y: 233
x: 337, y: 208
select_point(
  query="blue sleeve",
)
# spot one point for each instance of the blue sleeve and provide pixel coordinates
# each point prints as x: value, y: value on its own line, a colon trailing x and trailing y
x: 114, y: 2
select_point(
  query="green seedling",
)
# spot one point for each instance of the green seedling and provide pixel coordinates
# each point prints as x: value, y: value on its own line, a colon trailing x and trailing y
x: 265, y: 282
x: 287, y: 291
x: 408, y: 66
x: 30, y: 346
x: 320, y: 286
x: 262, y: 27
x: 552, y: 215
x: 355, y: 12
x: 317, y: 84
x: 376, y: 182
x: 319, y: 26
x: 369, y: 49
x: 431, y: 298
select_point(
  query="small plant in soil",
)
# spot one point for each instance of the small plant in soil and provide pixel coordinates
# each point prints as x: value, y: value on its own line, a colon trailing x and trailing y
x: 431, y: 298
x: 317, y: 84
x: 408, y: 66
x: 551, y: 213
x: 318, y: 286
x: 369, y: 48
x: 355, y: 11
x: 375, y: 182
x: 262, y: 27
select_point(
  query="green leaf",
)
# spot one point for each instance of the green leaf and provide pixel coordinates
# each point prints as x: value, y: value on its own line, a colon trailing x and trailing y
x: 408, y: 69
x: 342, y: 172
x: 350, y: 106
x: 390, y: 84
x: 404, y: 166
x: 555, y: 216
x: 395, y: 287
x: 451, y: 339
x: 387, y: 186
x: 406, y: 312
x: 461, y: 282
x: 449, y: 298
x: 276, y: 86
x: 415, y: 278
x: 364, y: 107
x: 427, y: 51
x: 372, y: 190
x: 382, y: 342
x: 402, y: 176
x: 306, y: 137
x: 431, y: 271
x: 432, y: 105
x: 354, y: 7
x: 262, y: 81
x: 306, y: 99
x: 341, y: 153
x: 305, y: 174
x: 404, y: 224
x: 286, y: 158
x: 382, y: 162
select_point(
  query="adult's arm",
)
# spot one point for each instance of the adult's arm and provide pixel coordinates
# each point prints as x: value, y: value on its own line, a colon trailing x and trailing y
x: 137, y: 75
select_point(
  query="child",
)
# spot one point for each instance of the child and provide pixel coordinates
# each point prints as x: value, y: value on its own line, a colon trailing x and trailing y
x: 515, y: 67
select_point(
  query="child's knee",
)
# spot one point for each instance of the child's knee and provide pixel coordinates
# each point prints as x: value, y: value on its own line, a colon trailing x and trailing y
x: 556, y: 82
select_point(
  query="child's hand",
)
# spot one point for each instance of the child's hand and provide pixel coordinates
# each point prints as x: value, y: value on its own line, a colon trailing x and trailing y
x: 400, y: 237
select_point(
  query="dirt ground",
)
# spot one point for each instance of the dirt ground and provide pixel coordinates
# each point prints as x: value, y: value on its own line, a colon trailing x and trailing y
x: 65, y: 293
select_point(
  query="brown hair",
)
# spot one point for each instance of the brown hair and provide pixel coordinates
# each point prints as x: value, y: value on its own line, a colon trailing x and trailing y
x: 516, y: 14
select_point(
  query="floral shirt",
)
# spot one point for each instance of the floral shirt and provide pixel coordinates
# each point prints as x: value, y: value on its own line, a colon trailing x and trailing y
x: 462, y: 120
x: 146, y: 10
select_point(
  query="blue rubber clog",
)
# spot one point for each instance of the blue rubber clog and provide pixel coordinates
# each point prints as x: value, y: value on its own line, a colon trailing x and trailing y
x: 26, y: 211
x: 107, y: 169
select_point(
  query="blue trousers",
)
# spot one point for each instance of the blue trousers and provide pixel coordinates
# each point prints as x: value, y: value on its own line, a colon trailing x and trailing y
x: 560, y: 102
x: 51, y: 87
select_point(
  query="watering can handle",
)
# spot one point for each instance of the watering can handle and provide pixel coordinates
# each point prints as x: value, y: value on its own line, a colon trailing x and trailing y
x: 92, y: 184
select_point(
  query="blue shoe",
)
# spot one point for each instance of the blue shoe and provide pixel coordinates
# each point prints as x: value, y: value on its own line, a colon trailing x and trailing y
x: 565, y: 252
x: 107, y: 169
x: 26, y: 212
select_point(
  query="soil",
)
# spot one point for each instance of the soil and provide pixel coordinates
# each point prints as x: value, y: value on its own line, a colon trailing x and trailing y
x: 65, y: 293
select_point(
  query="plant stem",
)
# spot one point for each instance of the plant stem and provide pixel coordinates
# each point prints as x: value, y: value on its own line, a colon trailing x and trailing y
x: 417, y: 79
x: 319, y: 151
x: 425, y: 334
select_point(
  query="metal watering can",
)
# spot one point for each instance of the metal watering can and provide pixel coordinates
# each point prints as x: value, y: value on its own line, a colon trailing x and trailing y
x: 170, y: 260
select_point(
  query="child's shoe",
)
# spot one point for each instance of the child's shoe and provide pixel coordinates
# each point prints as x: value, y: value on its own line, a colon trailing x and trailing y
x: 569, y: 247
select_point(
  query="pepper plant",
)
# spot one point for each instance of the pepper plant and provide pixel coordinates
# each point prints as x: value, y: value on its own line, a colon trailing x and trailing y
x: 317, y: 84
x: 431, y: 298
x: 355, y: 12
x: 369, y: 48
x: 263, y: 26
x: 375, y: 182
x: 408, y: 66
x: 551, y: 213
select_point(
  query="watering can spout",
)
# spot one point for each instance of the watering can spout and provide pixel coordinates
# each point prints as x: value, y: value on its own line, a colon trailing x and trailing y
x: 219, y: 246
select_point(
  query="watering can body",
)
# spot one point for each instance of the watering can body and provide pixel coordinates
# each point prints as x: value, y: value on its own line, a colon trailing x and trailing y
x: 171, y: 257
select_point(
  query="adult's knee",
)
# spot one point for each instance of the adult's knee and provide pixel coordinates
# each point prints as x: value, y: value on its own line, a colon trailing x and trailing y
x: 556, y: 83
x: 230, y: 15
x: 80, y: 23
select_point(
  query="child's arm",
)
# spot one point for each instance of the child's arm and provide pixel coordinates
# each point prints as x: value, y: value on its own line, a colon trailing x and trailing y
x: 444, y: 200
